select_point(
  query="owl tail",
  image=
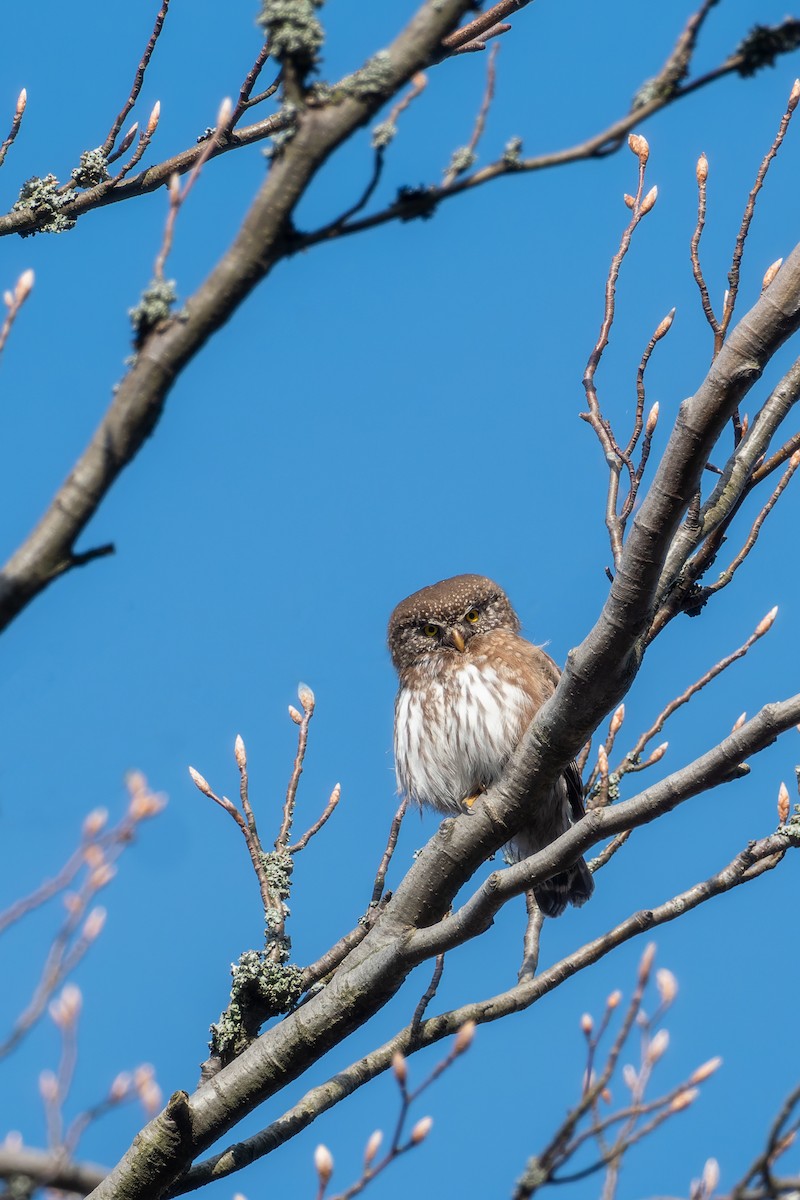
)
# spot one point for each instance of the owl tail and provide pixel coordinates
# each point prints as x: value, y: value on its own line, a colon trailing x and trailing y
x: 573, y: 886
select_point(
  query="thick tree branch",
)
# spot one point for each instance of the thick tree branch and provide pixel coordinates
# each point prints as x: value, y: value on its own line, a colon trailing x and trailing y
x: 263, y: 239
x: 320, y: 1099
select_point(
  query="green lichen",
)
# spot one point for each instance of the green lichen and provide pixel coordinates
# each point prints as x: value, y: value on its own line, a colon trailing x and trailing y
x: 42, y: 198
x: 375, y: 78
x: 460, y: 161
x: 383, y: 134
x: 156, y: 305
x: 293, y: 31
x: 261, y: 989
x: 93, y: 169
x: 512, y: 152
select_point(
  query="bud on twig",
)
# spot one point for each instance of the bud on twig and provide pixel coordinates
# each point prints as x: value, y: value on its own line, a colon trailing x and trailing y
x: 683, y: 1099
x: 739, y: 722
x: 630, y: 1078
x: 702, y: 170
x: 174, y: 189
x: 199, y: 782
x: 766, y: 623
x: 24, y: 286
x: 464, y: 1037
x: 240, y: 754
x: 657, y: 754
x: 646, y: 962
x: 710, y: 1176
x: 629, y: 200
x: 93, y: 925
x: 640, y: 147
x: 421, y: 1130
x: 658, y: 1046
x: 667, y: 985
x: 295, y: 715
x: 602, y: 760
x: 794, y: 95
x: 664, y: 325
x: 152, y: 124
x: 22, y: 100
x: 372, y: 1147
x: 652, y: 421
x: 706, y: 1070
x: 224, y: 114
x: 783, y: 804
x: 323, y: 1161
x: 306, y: 698
x: 399, y: 1067
x: 770, y: 274
x: 649, y: 200
x: 587, y: 1024
x: 614, y: 999
x: 127, y: 141
x: 94, y: 822
x: 120, y: 1086
x: 616, y: 720
x: 48, y: 1086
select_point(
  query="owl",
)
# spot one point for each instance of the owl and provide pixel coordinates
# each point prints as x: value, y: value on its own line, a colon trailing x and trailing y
x: 469, y: 687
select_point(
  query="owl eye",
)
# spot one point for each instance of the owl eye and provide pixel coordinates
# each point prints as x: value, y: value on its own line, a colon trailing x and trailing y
x: 473, y: 616
x: 430, y: 631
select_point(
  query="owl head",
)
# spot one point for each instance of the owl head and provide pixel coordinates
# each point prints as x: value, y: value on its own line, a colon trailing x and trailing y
x: 444, y: 617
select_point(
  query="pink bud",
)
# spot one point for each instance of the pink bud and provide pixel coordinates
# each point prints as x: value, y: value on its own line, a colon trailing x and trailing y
x: 199, y: 782
x: 421, y: 1130
x: 649, y: 200
x: 707, y: 1069
x: 766, y: 623
x: 152, y: 124
x: 323, y: 1161
x: 464, y: 1037
x: 372, y: 1147
x: 702, y: 169
x: 22, y: 100
x: 399, y: 1067
x: 667, y: 985
x: 240, y: 753
x: 95, y: 822
x: 783, y: 804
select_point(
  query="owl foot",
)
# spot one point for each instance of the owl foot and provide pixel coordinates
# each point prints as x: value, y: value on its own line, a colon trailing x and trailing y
x: 470, y: 800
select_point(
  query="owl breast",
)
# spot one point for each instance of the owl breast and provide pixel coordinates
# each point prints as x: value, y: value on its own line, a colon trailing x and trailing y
x: 455, y: 733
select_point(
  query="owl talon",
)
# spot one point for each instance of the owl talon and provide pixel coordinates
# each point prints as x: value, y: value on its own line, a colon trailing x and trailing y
x: 470, y: 800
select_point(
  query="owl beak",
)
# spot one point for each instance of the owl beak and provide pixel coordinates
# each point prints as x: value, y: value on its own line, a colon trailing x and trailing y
x: 457, y: 639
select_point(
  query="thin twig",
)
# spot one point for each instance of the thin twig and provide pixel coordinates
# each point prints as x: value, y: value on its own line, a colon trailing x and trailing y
x: 315, y: 828
x: 308, y: 702
x: 615, y: 457
x: 22, y: 100
x: 726, y: 576
x: 631, y: 761
x: 138, y: 80
x: 178, y: 195
x: 480, y: 121
x: 14, y: 302
x: 394, y: 831
x: 747, y: 217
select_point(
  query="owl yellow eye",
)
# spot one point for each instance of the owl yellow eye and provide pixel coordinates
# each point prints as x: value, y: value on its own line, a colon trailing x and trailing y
x: 430, y: 630
x: 472, y: 616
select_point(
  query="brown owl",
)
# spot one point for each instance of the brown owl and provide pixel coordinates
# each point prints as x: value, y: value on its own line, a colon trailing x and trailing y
x: 469, y: 687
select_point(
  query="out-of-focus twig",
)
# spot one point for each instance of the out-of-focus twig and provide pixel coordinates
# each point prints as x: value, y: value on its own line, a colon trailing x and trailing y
x: 22, y: 100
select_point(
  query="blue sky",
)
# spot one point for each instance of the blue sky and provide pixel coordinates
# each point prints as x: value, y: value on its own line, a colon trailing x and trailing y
x: 384, y: 412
